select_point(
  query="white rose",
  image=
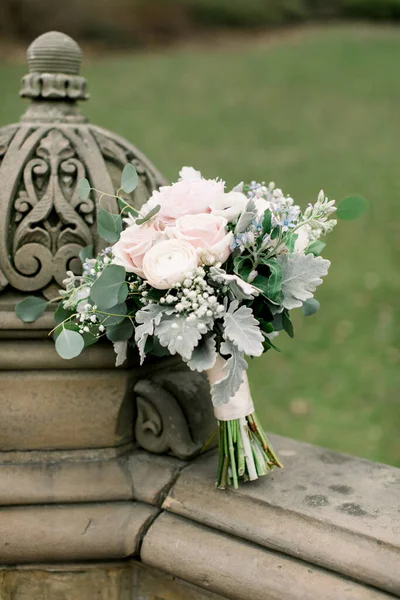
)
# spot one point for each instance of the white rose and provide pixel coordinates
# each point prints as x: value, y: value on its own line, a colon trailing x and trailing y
x: 167, y: 263
x: 229, y: 205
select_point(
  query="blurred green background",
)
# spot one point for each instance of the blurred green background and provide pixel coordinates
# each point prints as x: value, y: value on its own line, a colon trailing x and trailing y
x: 310, y: 108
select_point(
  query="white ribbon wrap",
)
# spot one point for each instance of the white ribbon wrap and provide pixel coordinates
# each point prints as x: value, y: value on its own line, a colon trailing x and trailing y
x: 240, y: 405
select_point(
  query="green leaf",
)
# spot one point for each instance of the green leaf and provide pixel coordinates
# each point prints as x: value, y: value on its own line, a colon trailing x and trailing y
x: 106, y: 290
x: 129, y: 178
x: 30, y: 309
x: 242, y: 266
x: 266, y: 223
x: 125, y: 207
x: 275, y: 233
x: 109, y: 226
x: 316, y: 248
x: 351, y: 208
x: 291, y: 240
x: 123, y: 293
x: 269, y: 344
x: 83, y: 189
x: 62, y: 314
x: 121, y: 331
x: 149, y: 215
x: 69, y: 344
x: 117, y: 314
x: 273, y: 288
x: 287, y: 324
x: 310, y: 307
x: 86, y: 253
x: 265, y: 326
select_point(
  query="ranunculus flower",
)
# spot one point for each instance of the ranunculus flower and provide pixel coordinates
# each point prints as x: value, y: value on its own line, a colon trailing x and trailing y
x: 133, y: 244
x: 207, y: 233
x: 229, y: 205
x: 167, y: 263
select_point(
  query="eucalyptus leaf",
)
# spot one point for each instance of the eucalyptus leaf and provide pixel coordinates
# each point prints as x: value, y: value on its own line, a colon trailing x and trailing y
x: 84, y: 189
x: 105, y: 292
x: 109, y: 226
x: 222, y: 391
x: 117, y: 314
x: 204, y: 355
x: 121, y: 331
x: 316, y: 248
x: 242, y: 329
x: 86, y: 253
x: 301, y: 274
x: 129, y: 178
x: 69, y: 344
x: 310, y: 307
x: 149, y: 215
x: 30, y: 308
x: 351, y: 208
x: 61, y: 314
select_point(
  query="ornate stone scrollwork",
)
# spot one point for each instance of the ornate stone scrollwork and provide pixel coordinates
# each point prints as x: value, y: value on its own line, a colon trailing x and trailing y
x: 174, y: 413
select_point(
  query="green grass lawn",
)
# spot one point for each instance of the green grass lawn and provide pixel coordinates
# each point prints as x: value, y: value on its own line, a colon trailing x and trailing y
x: 317, y: 109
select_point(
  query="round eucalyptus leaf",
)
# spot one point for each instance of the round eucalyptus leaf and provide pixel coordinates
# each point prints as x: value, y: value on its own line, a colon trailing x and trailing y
x: 84, y: 189
x: 69, y: 344
x: 129, y: 178
x: 310, y: 307
x: 351, y: 208
x: 106, y: 290
x: 30, y: 309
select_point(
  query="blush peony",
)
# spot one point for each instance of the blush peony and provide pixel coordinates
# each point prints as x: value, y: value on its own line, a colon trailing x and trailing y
x: 167, y: 263
x: 133, y: 244
x: 205, y: 232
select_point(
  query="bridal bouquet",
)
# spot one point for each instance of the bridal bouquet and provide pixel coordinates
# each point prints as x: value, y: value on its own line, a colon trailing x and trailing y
x: 206, y: 274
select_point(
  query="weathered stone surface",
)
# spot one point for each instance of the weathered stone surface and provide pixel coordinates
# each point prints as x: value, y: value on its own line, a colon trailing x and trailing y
x: 325, y: 508
x: 34, y: 534
x: 18, y: 355
x: 64, y: 409
x: 67, y: 582
x: 240, y: 570
x: 142, y: 476
x: 151, y: 584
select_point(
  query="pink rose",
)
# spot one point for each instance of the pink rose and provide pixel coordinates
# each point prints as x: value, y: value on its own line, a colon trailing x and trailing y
x: 205, y: 232
x: 133, y: 244
x: 186, y: 197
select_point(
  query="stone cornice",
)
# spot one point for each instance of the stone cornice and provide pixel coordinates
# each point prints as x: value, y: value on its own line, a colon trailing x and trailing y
x: 328, y: 523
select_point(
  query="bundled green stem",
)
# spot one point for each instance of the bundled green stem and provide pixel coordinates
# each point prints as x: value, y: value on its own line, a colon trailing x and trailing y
x: 244, y: 451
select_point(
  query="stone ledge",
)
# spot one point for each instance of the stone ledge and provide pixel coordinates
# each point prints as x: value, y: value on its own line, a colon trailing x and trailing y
x: 139, y: 475
x: 72, y: 532
x: 240, y: 570
x: 328, y: 509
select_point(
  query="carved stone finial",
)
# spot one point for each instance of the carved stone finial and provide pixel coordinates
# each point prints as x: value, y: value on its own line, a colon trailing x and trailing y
x: 54, y: 61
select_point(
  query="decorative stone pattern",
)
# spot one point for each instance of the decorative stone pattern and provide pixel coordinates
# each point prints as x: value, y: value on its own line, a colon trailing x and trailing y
x: 45, y: 224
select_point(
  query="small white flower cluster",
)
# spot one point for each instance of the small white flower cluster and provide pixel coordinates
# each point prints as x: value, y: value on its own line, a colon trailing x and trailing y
x: 87, y: 318
x: 194, y: 297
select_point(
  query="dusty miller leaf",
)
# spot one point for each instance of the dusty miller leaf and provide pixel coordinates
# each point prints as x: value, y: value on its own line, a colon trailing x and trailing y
x: 179, y: 335
x: 224, y: 390
x: 121, y: 350
x: 243, y: 329
x: 148, y: 318
x: 301, y: 275
x: 203, y: 356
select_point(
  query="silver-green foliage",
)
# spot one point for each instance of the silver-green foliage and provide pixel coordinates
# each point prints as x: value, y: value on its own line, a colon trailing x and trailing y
x: 224, y: 390
x: 301, y: 275
x: 242, y: 329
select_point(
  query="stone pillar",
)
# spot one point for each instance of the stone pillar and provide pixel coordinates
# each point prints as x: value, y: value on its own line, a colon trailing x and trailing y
x: 70, y: 431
